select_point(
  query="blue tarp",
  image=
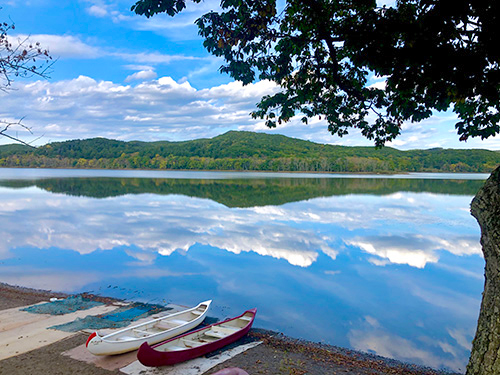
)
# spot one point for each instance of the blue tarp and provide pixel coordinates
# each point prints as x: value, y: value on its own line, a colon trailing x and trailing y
x: 64, y: 306
x: 117, y: 319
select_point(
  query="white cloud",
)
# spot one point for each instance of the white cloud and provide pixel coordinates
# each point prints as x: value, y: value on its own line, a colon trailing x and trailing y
x: 462, y: 338
x: 386, y: 3
x: 142, y: 75
x: 97, y: 11
x: 372, y: 321
x: 212, y: 65
x: 60, y: 112
x: 238, y: 91
x: 377, y: 82
x: 84, y: 108
x: 154, y: 58
x: 180, y: 28
x: 138, y: 67
x: 73, y: 47
x: 332, y: 273
x: 64, y: 46
x: 228, y: 104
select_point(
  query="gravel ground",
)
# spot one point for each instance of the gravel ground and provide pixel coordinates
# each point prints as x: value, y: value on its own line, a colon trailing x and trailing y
x: 15, y: 296
x: 278, y: 355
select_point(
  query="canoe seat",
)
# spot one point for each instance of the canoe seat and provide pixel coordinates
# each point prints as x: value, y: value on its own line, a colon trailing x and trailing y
x: 228, y: 328
x: 169, y: 324
x: 191, y: 343
x: 218, y: 335
x: 219, y: 331
x: 125, y: 338
x: 225, y: 329
x: 197, y: 312
x: 248, y: 318
x: 141, y: 332
x: 178, y: 322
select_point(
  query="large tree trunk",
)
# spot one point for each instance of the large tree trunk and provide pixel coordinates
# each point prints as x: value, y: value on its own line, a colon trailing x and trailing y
x: 485, y: 207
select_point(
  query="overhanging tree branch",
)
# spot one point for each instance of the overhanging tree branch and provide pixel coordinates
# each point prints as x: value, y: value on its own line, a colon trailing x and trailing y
x: 435, y: 54
x: 19, y: 58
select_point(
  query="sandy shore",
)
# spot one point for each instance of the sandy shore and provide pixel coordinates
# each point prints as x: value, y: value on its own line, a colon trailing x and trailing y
x: 277, y: 355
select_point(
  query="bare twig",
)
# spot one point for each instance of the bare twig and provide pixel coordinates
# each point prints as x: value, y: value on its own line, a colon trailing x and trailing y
x: 6, y: 125
x: 20, y: 58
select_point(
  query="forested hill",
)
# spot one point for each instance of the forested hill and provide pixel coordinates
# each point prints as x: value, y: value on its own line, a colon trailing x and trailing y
x: 244, y: 151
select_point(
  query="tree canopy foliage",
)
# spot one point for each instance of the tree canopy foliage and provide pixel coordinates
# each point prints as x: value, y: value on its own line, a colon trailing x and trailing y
x: 433, y: 55
x: 244, y: 151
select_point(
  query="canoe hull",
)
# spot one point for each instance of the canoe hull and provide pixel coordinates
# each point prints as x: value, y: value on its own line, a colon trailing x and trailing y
x: 151, y: 357
x: 109, y: 346
x: 104, y: 347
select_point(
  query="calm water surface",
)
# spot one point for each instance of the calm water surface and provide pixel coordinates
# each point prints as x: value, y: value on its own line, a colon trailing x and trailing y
x: 386, y: 264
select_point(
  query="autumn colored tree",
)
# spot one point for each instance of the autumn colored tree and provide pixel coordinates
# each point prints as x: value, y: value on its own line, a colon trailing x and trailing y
x: 19, y: 58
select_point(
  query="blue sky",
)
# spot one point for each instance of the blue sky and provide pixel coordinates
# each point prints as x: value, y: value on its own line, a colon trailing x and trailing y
x: 126, y: 77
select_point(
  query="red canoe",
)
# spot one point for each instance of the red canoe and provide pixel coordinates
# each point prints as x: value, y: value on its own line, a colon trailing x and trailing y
x: 197, y: 343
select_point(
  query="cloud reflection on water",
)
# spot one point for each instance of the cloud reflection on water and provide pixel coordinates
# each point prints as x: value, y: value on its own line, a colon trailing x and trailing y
x: 48, y: 279
x: 415, y: 250
x: 377, y: 340
x: 294, y: 232
x: 313, y: 258
x: 170, y: 224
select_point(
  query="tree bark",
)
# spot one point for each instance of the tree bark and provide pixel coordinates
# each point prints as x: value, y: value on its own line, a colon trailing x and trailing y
x: 485, y: 207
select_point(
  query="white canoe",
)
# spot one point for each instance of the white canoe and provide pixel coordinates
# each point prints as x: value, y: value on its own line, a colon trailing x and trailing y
x: 152, y: 331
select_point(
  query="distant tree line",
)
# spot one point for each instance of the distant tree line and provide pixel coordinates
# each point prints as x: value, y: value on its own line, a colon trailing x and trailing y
x: 246, y: 192
x: 244, y: 151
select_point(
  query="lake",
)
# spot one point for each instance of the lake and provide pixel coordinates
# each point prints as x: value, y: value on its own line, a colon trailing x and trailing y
x: 389, y: 265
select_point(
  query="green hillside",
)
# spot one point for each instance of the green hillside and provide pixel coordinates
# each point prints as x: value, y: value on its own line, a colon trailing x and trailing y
x: 244, y: 151
x: 13, y: 149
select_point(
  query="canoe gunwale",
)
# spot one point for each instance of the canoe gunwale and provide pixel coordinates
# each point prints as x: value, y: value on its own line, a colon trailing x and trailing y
x: 154, y: 321
x: 106, y: 345
x: 149, y: 356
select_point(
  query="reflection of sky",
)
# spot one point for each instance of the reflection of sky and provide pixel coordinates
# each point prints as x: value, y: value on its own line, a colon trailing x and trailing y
x: 398, y: 275
x: 37, y: 173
